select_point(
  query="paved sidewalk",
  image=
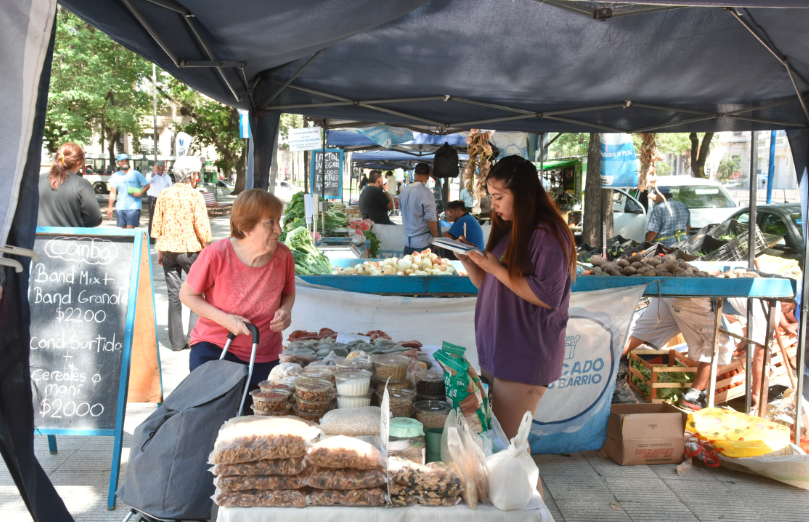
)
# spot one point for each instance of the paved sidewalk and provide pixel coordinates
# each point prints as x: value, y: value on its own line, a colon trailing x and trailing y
x: 580, y: 487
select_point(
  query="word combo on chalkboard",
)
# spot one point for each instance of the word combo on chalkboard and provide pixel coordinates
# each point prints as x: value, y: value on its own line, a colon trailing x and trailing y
x: 333, y: 170
x: 93, y: 334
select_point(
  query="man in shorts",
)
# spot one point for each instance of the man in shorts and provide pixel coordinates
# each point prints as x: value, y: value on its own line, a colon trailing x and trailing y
x: 694, y: 318
x: 127, y: 186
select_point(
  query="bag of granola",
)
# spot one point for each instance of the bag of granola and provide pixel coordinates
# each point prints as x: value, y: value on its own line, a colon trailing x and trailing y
x: 248, y: 439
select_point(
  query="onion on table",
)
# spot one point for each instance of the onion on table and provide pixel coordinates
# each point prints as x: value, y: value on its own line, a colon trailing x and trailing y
x: 420, y: 263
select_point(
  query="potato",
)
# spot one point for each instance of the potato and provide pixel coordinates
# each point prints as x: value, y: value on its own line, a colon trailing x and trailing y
x: 671, y: 266
x: 680, y: 273
x: 597, y: 260
x: 682, y: 263
x: 623, y: 263
x: 613, y: 272
x: 630, y: 270
x: 668, y: 258
x: 655, y: 261
x: 636, y: 265
x: 700, y: 274
x: 636, y: 258
x: 608, y: 266
x: 662, y: 273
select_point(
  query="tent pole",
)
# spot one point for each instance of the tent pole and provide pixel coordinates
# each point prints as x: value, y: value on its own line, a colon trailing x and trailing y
x: 771, y: 169
x: 751, y: 263
x: 291, y: 78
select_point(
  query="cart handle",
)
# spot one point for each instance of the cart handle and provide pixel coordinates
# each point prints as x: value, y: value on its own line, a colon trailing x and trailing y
x: 253, y: 328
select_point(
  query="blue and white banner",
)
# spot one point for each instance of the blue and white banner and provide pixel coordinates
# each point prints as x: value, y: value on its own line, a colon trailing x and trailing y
x: 244, y: 124
x: 572, y: 415
x: 387, y: 137
x: 619, y: 167
x: 511, y: 144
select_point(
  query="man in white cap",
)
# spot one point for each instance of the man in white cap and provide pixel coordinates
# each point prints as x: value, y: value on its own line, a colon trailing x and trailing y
x: 158, y: 180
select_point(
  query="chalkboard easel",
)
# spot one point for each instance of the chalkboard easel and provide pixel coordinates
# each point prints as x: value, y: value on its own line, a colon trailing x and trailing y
x: 334, y: 173
x: 93, y: 333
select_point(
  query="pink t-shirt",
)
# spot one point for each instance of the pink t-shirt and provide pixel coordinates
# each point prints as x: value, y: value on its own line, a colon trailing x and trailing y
x: 234, y: 288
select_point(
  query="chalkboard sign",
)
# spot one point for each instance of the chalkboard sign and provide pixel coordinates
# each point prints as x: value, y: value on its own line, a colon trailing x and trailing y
x: 334, y: 173
x: 89, y: 296
x: 78, y: 294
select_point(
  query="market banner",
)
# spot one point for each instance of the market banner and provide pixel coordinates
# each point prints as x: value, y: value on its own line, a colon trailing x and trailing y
x: 512, y: 144
x: 387, y: 137
x: 619, y: 166
x: 572, y: 415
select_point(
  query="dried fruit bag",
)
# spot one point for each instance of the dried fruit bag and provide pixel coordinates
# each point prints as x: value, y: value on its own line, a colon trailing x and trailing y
x: 736, y: 434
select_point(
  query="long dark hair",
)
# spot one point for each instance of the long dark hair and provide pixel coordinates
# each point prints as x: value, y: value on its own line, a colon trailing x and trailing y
x: 533, y: 208
x: 69, y: 157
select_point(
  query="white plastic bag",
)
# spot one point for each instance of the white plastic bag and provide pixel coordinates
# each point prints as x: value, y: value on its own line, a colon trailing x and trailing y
x: 513, y: 474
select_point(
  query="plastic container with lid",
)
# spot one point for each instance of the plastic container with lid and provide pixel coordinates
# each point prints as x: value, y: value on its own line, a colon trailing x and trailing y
x: 354, y: 401
x: 391, y: 366
x: 356, y: 364
x: 317, y: 372
x: 353, y: 383
x: 269, y: 386
x: 313, y: 417
x: 429, y: 384
x: 404, y: 384
x: 313, y: 406
x: 270, y: 400
x: 401, y: 401
x: 407, y: 440
x: 272, y: 413
x: 432, y: 414
x: 314, y: 390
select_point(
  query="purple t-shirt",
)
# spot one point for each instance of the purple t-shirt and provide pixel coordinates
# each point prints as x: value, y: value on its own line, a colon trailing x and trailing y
x: 516, y: 340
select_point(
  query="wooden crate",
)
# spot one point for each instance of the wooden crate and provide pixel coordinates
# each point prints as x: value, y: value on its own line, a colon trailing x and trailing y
x: 678, y: 362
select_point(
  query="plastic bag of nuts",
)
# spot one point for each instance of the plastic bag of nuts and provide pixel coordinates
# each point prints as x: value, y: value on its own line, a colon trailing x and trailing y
x: 329, y: 478
x: 263, y: 482
x: 348, y: 497
x: 345, y: 452
x: 262, y: 467
x: 248, y: 439
x: 258, y: 498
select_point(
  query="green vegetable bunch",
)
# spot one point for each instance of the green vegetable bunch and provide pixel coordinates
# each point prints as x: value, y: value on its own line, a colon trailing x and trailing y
x: 308, y: 259
x: 374, y: 250
x: 295, y: 215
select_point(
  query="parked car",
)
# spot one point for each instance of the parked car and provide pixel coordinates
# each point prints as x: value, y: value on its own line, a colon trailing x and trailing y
x: 779, y: 220
x: 707, y: 200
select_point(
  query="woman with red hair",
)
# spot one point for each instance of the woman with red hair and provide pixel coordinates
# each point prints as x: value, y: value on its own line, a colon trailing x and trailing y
x: 65, y: 198
x: 524, y: 280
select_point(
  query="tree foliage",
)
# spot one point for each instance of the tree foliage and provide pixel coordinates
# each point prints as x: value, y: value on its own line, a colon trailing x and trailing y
x: 95, y: 84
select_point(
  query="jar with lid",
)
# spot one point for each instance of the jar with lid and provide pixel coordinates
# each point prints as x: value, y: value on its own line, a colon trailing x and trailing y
x: 407, y: 440
x: 429, y: 385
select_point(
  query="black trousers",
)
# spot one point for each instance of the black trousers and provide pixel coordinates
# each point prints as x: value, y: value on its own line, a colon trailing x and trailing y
x: 174, y: 264
x: 152, y: 203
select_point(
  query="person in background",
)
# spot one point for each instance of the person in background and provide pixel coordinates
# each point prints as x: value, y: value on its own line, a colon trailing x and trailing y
x: 390, y: 179
x: 65, y: 198
x: 669, y: 222
x: 486, y: 205
x: 524, y: 280
x: 375, y: 202
x: 438, y: 194
x: 466, y: 197
x: 363, y: 181
x: 248, y: 278
x: 127, y: 186
x: 181, y: 230
x: 464, y: 225
x: 419, y: 215
x: 158, y: 180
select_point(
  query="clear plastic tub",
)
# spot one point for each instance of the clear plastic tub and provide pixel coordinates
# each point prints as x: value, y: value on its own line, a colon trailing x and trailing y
x: 395, y: 385
x: 314, y: 390
x: 317, y: 372
x: 270, y: 386
x: 275, y: 413
x: 314, y: 406
x: 353, y: 383
x: 312, y: 417
x: 401, y: 401
x: 432, y: 414
x: 391, y: 366
x: 356, y: 364
x: 270, y: 400
x: 354, y: 401
x: 429, y: 384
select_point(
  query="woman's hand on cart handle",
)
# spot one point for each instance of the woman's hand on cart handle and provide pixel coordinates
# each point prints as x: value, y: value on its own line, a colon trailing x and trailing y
x: 236, y: 324
x: 281, y: 320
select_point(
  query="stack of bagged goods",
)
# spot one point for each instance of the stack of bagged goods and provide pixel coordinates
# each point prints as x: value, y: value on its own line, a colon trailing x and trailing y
x: 434, y: 484
x: 353, y: 388
x: 260, y: 462
x: 346, y: 471
x: 313, y: 398
x: 464, y: 387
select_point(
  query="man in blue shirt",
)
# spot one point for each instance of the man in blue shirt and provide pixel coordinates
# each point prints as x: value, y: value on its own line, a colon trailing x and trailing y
x: 419, y: 216
x: 126, y: 188
x: 669, y: 222
x: 462, y: 219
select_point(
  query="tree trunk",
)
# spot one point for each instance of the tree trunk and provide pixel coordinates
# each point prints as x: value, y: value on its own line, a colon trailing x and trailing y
x: 699, y: 153
x: 273, y: 170
x: 593, y: 217
x: 114, y: 137
x: 241, y: 171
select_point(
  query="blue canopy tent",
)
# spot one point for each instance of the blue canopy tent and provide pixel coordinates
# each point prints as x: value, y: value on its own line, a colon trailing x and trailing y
x: 421, y: 143
x: 442, y: 67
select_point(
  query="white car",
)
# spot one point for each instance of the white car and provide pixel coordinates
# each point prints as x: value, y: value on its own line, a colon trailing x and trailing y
x: 707, y: 200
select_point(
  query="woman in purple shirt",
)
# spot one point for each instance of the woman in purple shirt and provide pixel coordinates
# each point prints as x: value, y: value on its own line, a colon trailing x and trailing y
x: 524, y: 291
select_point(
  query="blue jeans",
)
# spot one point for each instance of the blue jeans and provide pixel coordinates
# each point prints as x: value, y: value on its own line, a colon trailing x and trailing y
x: 203, y: 352
x: 127, y: 218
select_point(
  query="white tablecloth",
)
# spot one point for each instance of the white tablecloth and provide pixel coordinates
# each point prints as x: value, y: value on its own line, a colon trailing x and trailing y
x: 536, y: 512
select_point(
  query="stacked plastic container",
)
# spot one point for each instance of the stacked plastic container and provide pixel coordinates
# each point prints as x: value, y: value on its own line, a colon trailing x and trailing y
x: 353, y: 388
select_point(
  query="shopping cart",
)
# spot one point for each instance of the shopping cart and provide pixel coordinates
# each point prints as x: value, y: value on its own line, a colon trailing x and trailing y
x: 167, y: 478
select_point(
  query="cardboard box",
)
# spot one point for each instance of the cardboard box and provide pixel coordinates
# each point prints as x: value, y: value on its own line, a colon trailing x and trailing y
x: 645, y: 434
